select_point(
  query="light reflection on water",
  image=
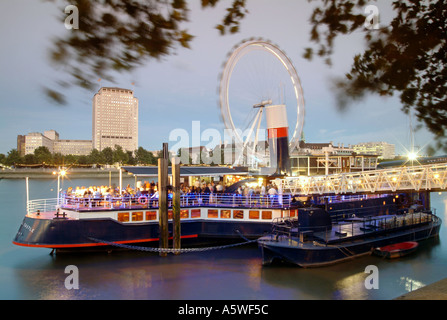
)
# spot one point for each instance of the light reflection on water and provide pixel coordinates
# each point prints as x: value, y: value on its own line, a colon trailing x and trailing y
x: 411, y: 284
x: 235, y: 274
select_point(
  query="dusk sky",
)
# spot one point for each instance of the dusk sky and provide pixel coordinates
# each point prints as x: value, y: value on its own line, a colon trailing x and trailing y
x: 182, y: 88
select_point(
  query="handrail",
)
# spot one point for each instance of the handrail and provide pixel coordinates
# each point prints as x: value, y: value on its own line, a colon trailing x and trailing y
x: 130, y: 202
x: 41, y: 205
x: 281, y: 226
x: 418, y: 178
x: 188, y: 200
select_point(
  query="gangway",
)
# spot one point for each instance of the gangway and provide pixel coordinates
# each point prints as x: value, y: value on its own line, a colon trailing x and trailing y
x: 431, y: 177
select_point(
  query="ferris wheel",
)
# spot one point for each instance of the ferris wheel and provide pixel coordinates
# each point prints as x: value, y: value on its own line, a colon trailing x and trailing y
x: 257, y: 78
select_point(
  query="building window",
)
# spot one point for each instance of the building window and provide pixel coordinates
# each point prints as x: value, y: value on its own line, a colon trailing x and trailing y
x: 253, y: 214
x: 266, y: 215
x: 213, y: 213
x: 137, y: 216
x: 238, y: 214
x: 184, y: 214
x: 225, y: 214
x: 123, y: 216
x: 195, y: 213
x: 151, y: 215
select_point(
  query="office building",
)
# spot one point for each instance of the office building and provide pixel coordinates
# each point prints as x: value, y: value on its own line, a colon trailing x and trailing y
x: 382, y: 149
x: 74, y: 147
x: 326, y: 158
x: 115, y: 119
x: 27, y: 144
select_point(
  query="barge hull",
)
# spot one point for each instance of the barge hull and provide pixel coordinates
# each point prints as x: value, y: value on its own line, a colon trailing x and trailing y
x: 308, y: 255
x: 66, y: 235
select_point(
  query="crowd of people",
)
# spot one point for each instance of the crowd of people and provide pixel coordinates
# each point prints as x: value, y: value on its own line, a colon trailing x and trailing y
x: 148, y: 192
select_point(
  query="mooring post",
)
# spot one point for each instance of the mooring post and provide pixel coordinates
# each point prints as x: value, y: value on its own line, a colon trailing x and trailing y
x: 176, y: 202
x: 427, y: 202
x: 163, y: 199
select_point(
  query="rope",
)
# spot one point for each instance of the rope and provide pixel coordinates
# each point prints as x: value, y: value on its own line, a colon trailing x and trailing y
x: 171, y: 250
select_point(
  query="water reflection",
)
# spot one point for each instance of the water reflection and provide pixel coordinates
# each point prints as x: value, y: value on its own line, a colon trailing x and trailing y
x: 352, y: 287
x: 411, y: 284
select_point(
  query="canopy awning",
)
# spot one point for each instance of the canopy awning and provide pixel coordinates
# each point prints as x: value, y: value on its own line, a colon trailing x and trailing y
x: 188, y: 171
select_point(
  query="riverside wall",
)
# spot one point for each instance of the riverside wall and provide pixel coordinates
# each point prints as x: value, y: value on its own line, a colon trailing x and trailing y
x: 47, y: 173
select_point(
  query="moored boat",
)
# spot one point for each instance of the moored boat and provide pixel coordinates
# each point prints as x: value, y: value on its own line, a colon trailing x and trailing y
x: 313, y: 240
x: 396, y: 250
x: 89, y: 223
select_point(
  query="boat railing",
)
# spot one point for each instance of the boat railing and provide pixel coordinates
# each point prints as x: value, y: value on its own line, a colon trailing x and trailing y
x: 188, y: 200
x: 343, y: 214
x: 287, y: 228
x: 282, y: 226
x: 41, y: 205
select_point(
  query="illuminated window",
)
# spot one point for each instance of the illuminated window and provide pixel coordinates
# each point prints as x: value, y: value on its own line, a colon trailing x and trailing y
x: 195, y: 213
x: 253, y: 214
x: 184, y: 214
x: 292, y: 213
x: 123, y: 216
x: 151, y: 215
x: 238, y: 214
x: 266, y: 215
x: 137, y: 216
x: 213, y: 213
x: 225, y: 214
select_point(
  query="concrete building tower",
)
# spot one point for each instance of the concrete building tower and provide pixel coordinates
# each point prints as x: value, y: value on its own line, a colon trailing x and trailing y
x: 115, y: 119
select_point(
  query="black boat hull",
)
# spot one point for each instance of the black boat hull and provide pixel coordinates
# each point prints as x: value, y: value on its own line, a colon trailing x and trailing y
x: 314, y: 255
x: 65, y: 234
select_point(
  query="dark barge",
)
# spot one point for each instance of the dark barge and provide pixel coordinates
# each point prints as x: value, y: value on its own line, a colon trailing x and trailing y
x: 315, y: 240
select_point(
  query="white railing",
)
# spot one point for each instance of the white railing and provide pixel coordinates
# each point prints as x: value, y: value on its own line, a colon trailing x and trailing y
x: 417, y: 178
x: 41, y: 205
x: 187, y: 200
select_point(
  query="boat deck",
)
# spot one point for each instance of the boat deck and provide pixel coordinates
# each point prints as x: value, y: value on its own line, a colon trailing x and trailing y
x: 346, y: 230
x: 358, y: 228
x: 46, y: 215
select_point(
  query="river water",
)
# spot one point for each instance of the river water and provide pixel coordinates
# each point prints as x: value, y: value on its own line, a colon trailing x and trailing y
x: 228, y: 274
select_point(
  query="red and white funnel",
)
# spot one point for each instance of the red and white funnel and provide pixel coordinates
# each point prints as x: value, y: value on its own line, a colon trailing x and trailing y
x: 278, y: 137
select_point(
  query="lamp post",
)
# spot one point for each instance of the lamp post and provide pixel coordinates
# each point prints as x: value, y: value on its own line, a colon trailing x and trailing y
x: 60, y: 173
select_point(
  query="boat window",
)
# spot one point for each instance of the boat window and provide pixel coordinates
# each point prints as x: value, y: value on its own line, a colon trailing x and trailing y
x: 225, y: 214
x: 151, y: 215
x: 123, y: 216
x: 266, y: 215
x: 238, y: 214
x: 213, y: 213
x: 184, y: 214
x: 292, y: 213
x: 137, y: 216
x: 253, y: 214
x: 195, y: 213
